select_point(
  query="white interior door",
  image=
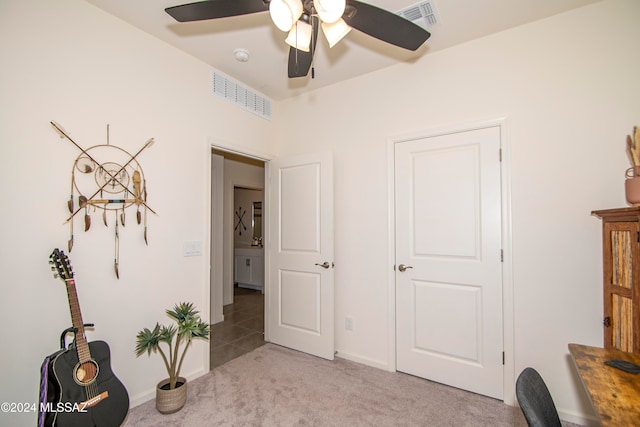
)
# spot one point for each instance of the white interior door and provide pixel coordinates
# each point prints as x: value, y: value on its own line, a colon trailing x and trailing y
x: 448, y: 260
x: 300, y: 285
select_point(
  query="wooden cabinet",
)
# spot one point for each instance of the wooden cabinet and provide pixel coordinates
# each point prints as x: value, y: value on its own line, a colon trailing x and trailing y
x: 621, y: 274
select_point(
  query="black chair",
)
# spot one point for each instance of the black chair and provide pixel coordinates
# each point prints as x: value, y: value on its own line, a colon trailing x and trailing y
x: 535, y: 400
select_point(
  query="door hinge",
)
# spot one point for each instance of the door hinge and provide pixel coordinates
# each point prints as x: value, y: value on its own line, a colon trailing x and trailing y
x: 503, y: 357
x: 501, y: 255
x: 638, y: 236
x: 500, y: 154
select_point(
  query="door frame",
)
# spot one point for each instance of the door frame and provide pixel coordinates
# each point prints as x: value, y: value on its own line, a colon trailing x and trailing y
x: 507, y: 268
x: 216, y: 260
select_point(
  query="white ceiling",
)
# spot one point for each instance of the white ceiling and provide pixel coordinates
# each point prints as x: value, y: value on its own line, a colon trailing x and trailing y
x: 214, y: 41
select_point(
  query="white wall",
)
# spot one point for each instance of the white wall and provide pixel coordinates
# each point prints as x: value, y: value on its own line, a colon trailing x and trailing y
x: 70, y: 62
x: 569, y: 88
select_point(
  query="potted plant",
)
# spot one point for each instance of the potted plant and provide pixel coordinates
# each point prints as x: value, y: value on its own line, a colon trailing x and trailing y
x: 171, y: 393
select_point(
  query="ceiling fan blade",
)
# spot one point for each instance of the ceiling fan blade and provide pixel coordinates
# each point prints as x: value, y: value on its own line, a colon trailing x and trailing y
x: 212, y: 9
x: 384, y: 25
x: 299, y: 60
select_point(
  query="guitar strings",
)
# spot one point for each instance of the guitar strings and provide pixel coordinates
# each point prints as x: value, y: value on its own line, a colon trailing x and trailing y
x: 91, y: 389
x: 82, y: 347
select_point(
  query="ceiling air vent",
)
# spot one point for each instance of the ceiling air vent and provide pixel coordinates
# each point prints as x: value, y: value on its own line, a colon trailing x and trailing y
x: 423, y: 14
x: 234, y: 92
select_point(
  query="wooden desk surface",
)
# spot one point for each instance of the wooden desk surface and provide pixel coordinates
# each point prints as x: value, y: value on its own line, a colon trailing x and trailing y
x: 615, y: 394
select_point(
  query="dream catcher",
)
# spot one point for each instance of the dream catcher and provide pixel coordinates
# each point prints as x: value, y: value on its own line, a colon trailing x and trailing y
x: 107, y: 189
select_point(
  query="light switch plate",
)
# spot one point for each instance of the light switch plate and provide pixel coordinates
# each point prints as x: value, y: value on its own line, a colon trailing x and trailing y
x: 192, y: 248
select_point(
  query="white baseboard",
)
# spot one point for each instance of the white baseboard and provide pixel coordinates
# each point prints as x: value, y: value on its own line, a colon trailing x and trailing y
x: 141, y: 398
x: 364, y: 360
x: 578, y: 418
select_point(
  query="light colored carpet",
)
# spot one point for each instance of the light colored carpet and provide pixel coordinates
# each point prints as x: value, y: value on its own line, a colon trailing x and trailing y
x: 275, y: 386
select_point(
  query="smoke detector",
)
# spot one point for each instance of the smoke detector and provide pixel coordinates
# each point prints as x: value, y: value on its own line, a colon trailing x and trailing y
x: 241, y: 55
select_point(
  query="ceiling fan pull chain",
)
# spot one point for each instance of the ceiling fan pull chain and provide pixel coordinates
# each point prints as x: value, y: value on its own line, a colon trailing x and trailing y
x: 296, y: 26
x: 313, y: 46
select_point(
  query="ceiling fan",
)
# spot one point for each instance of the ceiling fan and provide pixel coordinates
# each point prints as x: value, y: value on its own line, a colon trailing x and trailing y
x: 301, y: 19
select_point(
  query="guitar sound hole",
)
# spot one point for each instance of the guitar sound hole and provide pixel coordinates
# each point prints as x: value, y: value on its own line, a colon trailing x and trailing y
x: 85, y: 373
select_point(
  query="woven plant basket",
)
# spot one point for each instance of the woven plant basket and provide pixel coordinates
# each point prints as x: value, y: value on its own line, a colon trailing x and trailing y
x: 632, y: 186
x: 170, y: 401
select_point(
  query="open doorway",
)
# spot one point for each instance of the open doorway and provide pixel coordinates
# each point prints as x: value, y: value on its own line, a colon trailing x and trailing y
x: 237, y: 255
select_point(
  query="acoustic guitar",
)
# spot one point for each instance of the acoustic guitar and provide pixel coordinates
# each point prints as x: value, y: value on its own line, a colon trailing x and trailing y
x: 84, y: 391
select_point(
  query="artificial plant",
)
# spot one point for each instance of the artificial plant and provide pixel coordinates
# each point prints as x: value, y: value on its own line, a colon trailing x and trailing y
x: 188, y: 326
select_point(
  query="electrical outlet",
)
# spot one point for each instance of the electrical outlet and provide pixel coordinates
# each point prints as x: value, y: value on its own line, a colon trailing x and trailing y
x: 348, y: 323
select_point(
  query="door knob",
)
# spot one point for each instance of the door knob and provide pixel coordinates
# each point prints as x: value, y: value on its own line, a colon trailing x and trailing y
x: 324, y: 265
x: 404, y: 268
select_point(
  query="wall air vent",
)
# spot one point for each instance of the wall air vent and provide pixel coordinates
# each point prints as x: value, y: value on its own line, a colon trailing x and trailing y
x: 232, y: 91
x: 423, y: 14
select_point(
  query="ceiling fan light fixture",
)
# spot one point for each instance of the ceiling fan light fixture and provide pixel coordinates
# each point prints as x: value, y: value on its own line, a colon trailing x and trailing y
x: 335, y: 32
x: 300, y: 36
x: 329, y: 11
x: 285, y: 13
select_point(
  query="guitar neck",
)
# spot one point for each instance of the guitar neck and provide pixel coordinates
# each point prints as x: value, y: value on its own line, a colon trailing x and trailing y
x: 76, y: 318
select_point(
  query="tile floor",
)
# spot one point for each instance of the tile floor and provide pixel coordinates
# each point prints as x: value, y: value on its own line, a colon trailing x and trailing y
x: 242, y: 330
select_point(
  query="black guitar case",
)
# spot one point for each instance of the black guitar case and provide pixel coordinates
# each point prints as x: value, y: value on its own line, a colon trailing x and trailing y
x: 48, y: 390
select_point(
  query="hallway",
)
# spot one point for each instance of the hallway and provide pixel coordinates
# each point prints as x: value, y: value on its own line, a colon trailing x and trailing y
x: 242, y: 330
